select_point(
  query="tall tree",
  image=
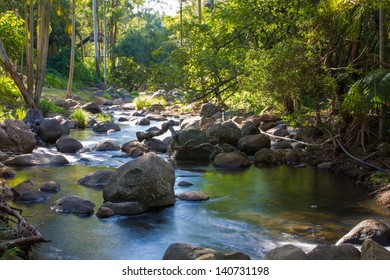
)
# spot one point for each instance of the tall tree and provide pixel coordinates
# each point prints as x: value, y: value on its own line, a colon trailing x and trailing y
x: 96, y: 36
x: 72, y: 51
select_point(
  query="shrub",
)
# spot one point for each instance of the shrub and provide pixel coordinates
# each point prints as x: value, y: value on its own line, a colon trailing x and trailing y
x: 105, y: 117
x: 80, y: 117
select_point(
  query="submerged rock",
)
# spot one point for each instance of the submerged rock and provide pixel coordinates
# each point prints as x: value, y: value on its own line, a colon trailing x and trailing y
x: 193, y: 196
x: 73, y: 205
x: 50, y: 186
x: 97, y: 179
x: 32, y: 196
x: 125, y: 208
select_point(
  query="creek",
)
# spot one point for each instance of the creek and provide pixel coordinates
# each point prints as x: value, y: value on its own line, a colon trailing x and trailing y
x: 251, y: 210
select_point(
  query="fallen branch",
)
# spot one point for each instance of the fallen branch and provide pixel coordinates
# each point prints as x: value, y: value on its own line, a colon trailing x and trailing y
x: 149, y: 135
x: 27, y: 235
x: 293, y: 140
x: 359, y: 160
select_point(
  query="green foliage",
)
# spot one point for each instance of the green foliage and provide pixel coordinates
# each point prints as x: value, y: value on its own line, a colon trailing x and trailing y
x: 80, y: 117
x: 368, y: 93
x: 107, y: 95
x: 47, y: 107
x: 9, y: 93
x: 145, y: 101
x: 20, y: 113
x: 12, y: 34
x: 55, y: 80
x: 380, y: 178
x: 104, y: 117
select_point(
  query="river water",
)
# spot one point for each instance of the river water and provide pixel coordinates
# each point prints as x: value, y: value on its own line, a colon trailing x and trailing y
x: 251, y: 210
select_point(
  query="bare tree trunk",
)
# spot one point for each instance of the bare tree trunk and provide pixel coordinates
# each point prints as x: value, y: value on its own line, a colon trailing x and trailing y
x: 72, y: 51
x: 383, y: 60
x: 42, y: 46
x: 96, y: 37
x: 29, y: 30
x: 15, y: 76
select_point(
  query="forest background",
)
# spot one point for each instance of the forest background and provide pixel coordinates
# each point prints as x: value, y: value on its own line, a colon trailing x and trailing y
x: 319, y: 63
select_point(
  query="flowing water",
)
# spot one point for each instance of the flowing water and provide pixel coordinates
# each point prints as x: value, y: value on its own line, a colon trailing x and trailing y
x: 251, y: 210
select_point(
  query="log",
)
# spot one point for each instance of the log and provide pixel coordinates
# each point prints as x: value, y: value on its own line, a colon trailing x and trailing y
x: 149, y: 135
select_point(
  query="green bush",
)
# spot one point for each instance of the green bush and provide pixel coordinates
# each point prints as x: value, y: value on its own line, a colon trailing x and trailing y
x: 104, y: 117
x: 9, y: 93
x: 80, y: 117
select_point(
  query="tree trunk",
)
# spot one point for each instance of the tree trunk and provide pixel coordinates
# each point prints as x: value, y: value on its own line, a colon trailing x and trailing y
x: 383, y: 60
x: 72, y: 51
x: 96, y: 36
x: 42, y: 46
x: 29, y: 30
x: 15, y: 76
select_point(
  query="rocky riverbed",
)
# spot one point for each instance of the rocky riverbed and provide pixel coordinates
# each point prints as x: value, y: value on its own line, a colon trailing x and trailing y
x: 211, y: 134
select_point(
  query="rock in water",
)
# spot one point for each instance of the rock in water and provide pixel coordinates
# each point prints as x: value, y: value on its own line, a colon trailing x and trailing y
x: 375, y: 230
x: 148, y: 180
x: 73, y: 205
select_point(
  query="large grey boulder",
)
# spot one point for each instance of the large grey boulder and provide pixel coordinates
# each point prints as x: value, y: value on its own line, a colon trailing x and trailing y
x: 286, y: 252
x: 227, y: 132
x: 97, y: 179
x: 156, y: 145
x: 332, y: 252
x: 73, y: 205
x: 148, y: 180
x: 67, y: 144
x: 375, y: 230
x: 50, y: 130
x: 36, y: 159
x: 252, y: 143
x: 15, y: 137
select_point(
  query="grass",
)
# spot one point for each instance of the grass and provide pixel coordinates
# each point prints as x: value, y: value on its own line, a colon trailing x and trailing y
x: 80, y: 117
x: 144, y: 102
